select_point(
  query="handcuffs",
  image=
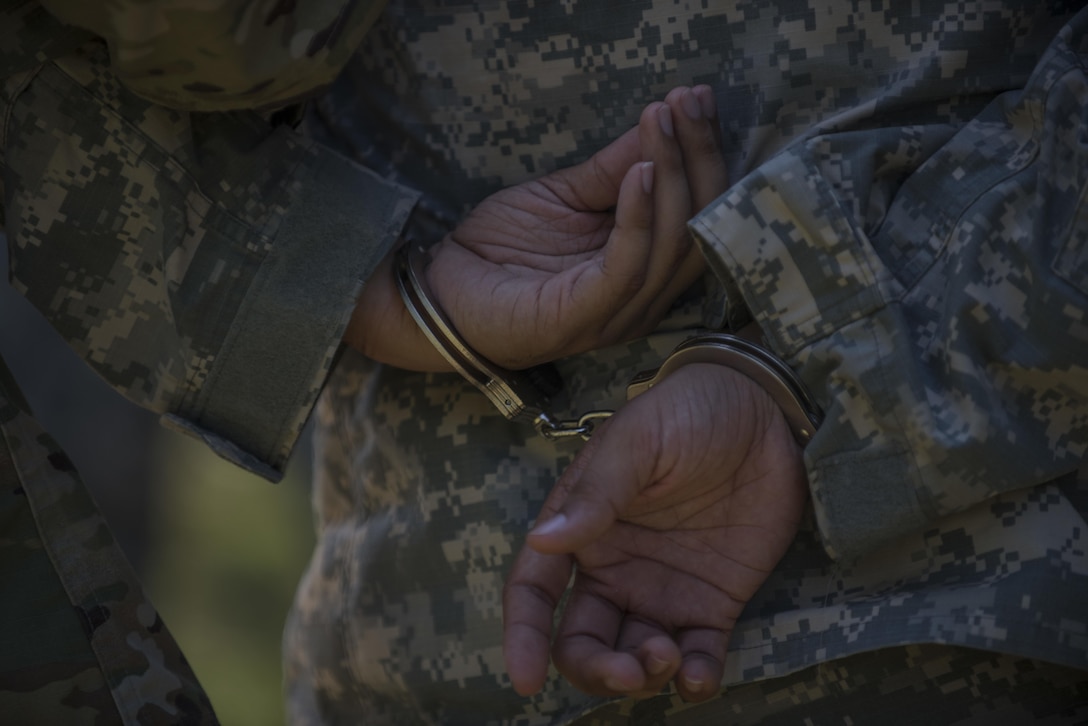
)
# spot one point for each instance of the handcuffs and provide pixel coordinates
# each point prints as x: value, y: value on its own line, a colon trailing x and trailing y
x: 520, y: 398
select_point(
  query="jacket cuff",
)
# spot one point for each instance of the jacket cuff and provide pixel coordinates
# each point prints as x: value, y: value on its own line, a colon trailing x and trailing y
x: 340, y: 221
x: 820, y: 294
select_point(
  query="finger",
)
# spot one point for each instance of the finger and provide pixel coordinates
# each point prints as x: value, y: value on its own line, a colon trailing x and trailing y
x: 657, y: 653
x: 616, y: 464
x: 673, y: 263
x: 584, y: 651
x: 625, y: 265
x: 695, y: 127
x: 594, y: 185
x: 699, y: 136
x: 531, y: 594
x: 703, y: 652
x: 671, y: 199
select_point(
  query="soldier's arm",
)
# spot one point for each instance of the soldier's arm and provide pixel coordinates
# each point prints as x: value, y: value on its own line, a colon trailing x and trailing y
x: 932, y: 289
x: 205, y: 264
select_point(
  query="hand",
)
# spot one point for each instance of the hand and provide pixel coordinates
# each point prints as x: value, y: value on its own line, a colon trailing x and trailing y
x: 581, y: 258
x: 675, y: 513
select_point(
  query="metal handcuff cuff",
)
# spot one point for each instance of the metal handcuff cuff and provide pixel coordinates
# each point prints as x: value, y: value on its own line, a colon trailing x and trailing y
x: 519, y: 398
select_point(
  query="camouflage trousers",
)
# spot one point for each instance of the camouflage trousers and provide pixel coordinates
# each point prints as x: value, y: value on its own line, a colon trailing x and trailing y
x: 79, y: 641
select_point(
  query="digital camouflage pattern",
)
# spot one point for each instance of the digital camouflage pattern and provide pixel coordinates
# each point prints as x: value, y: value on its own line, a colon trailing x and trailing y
x: 922, y: 282
x: 223, y: 55
x: 905, y: 686
x: 168, y: 247
x: 79, y: 641
x: 424, y: 493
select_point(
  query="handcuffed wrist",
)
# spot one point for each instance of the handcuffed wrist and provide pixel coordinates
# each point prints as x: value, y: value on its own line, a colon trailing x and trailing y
x: 767, y: 370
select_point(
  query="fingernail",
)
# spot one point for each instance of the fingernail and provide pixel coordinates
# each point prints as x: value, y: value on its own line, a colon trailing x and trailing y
x: 691, y: 105
x: 613, y: 685
x: 656, y: 666
x: 693, y: 685
x: 664, y: 120
x: 647, y: 178
x: 551, y: 526
x: 706, y: 99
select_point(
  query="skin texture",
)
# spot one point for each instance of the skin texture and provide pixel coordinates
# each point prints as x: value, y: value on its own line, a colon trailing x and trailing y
x: 675, y: 513
x: 579, y: 259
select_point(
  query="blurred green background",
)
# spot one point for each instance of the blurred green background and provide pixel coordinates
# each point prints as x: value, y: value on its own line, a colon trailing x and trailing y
x: 220, y: 550
x: 226, y: 555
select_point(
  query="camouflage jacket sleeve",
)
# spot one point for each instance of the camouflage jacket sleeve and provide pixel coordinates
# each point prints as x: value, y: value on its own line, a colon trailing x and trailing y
x: 930, y: 284
x: 204, y: 264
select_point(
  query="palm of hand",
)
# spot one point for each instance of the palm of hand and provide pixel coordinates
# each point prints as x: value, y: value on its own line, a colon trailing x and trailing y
x: 690, y: 564
x: 672, y: 532
x: 579, y: 259
x: 540, y: 226
x: 532, y: 260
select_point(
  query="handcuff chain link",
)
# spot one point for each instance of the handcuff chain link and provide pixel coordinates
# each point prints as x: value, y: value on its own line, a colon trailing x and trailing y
x: 559, y: 429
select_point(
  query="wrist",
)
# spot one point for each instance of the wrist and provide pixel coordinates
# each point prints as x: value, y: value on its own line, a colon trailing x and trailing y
x: 765, y: 369
x: 382, y: 329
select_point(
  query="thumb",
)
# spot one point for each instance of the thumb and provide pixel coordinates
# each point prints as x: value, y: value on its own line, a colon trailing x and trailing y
x: 594, y: 185
x: 598, y: 486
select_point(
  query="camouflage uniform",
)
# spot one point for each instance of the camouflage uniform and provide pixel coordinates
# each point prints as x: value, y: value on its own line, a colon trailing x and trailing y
x: 135, y: 229
x: 176, y: 252
x: 79, y: 641
x: 906, y: 227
